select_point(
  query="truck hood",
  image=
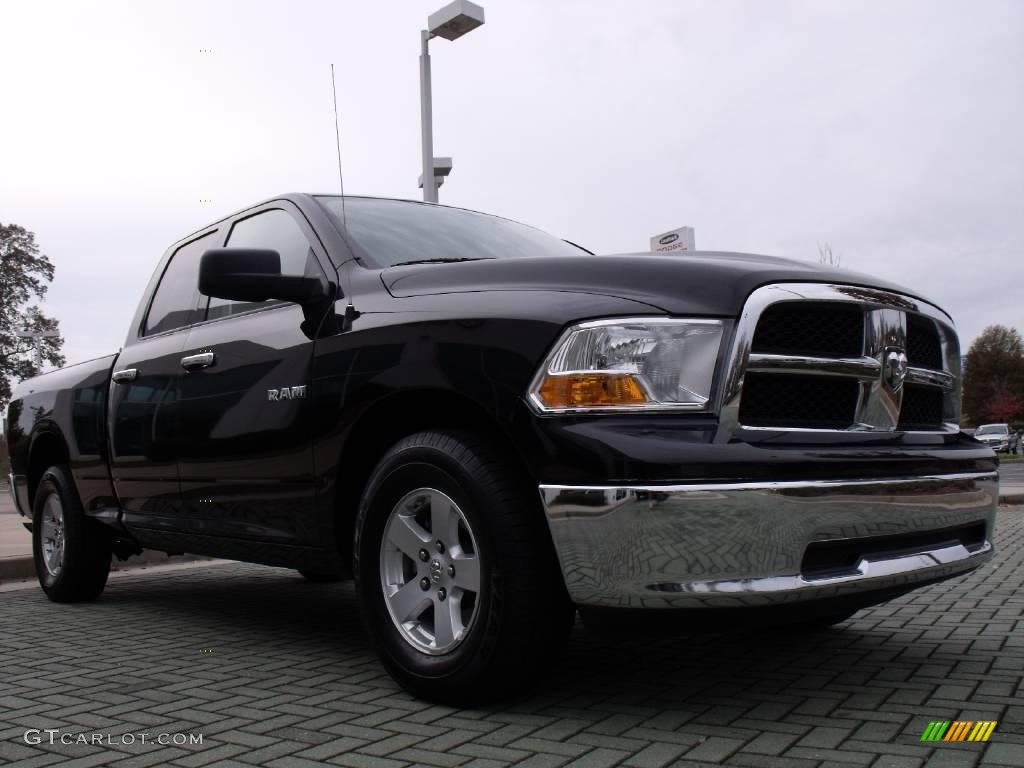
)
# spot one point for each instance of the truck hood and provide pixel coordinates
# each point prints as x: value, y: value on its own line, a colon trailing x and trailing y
x: 697, y: 283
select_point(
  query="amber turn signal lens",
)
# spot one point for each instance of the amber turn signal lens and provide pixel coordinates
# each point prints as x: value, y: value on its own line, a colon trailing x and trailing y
x: 585, y: 390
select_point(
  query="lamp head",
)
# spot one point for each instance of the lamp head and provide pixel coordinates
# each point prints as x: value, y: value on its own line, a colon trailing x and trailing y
x: 455, y: 20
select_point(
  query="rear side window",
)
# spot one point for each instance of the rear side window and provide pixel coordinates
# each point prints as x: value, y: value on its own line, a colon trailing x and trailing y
x: 275, y: 230
x: 176, y: 300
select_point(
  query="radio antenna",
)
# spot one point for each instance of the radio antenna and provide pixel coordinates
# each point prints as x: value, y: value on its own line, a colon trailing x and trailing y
x: 337, y: 137
x: 350, y: 311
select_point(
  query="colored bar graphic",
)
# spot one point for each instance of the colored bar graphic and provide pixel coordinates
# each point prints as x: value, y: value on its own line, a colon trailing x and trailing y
x: 935, y: 730
x: 982, y: 731
x: 959, y: 730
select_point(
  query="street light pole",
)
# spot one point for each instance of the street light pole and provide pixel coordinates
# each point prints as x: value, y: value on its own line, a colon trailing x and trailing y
x: 451, y: 22
x: 36, y: 337
x: 426, y: 121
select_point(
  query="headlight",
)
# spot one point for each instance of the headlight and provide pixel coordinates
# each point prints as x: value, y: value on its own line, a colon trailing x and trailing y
x: 629, y: 364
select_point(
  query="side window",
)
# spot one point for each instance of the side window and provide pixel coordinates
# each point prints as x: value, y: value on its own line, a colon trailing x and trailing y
x: 176, y: 300
x: 278, y: 231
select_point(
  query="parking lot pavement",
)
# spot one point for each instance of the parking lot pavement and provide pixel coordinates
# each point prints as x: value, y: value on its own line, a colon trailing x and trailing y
x: 274, y: 671
x: 1012, y: 472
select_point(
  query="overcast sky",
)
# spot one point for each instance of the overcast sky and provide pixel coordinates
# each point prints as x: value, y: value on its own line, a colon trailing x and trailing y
x: 893, y: 130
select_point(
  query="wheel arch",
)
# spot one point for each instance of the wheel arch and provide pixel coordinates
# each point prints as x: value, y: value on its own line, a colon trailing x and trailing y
x: 48, y: 448
x: 389, y: 420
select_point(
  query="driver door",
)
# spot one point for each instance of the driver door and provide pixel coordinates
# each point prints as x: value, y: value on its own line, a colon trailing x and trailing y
x: 246, y: 456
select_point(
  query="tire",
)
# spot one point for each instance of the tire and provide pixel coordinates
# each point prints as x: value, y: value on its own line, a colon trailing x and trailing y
x: 71, y: 552
x: 316, y: 577
x: 466, y: 647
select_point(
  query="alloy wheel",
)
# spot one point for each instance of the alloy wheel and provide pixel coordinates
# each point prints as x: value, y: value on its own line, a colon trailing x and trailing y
x: 430, y: 571
x: 52, y: 534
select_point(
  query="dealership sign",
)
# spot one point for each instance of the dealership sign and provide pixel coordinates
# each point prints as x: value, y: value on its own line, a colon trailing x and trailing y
x: 677, y: 240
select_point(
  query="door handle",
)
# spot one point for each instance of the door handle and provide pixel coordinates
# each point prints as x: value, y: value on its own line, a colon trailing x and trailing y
x: 128, y: 374
x: 202, y: 360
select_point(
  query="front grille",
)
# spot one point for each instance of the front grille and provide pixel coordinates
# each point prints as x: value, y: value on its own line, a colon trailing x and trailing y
x: 841, y: 358
x: 813, y: 328
x: 924, y: 348
x: 824, y: 559
x: 922, y: 407
x: 798, y: 402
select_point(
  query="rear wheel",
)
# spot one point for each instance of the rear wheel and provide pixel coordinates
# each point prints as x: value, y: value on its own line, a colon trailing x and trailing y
x: 71, y: 552
x: 460, y: 586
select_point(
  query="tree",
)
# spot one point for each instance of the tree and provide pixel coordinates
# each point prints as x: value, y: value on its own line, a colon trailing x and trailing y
x: 994, y: 376
x: 1004, y: 406
x: 24, y: 277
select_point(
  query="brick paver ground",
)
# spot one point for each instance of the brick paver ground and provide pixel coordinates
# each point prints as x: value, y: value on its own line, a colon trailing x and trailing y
x: 273, y: 671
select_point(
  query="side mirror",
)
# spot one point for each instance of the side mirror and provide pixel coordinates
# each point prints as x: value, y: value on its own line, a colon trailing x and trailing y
x: 252, y: 274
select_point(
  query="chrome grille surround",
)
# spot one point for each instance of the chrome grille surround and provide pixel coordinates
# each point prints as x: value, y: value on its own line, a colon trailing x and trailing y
x: 885, y: 340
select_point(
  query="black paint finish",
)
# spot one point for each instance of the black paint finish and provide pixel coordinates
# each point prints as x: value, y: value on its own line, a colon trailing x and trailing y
x: 206, y: 461
x: 245, y: 461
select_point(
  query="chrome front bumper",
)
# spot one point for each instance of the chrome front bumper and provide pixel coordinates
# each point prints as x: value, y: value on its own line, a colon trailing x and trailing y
x: 12, y: 486
x: 742, y: 544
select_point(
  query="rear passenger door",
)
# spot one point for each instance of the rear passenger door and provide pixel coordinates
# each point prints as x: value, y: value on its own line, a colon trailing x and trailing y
x: 246, y: 460
x: 143, y: 412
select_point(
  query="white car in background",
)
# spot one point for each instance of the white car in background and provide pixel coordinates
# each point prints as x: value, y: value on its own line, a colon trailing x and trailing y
x: 998, y: 437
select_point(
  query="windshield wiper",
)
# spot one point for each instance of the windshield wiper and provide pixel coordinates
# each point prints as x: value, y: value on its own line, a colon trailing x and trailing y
x: 443, y: 260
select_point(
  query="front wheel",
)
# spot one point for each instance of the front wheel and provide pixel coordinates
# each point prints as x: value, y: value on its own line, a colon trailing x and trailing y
x: 459, y: 582
x: 71, y: 552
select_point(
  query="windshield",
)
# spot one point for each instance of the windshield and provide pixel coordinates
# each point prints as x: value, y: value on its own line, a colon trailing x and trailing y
x: 396, y: 232
x: 992, y: 429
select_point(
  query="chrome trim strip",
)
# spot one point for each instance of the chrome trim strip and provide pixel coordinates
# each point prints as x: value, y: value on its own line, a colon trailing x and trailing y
x: 856, y: 430
x: 943, y: 379
x: 866, y: 569
x: 866, y: 368
x: 888, y: 566
x: 885, y: 326
x: 740, y: 544
x: 12, y: 487
x: 781, y: 485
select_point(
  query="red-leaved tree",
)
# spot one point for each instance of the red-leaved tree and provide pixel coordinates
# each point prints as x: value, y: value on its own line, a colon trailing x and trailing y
x: 1004, y: 406
x: 994, y: 376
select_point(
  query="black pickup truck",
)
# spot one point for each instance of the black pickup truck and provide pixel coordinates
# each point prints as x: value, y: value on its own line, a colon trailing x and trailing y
x: 490, y: 428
